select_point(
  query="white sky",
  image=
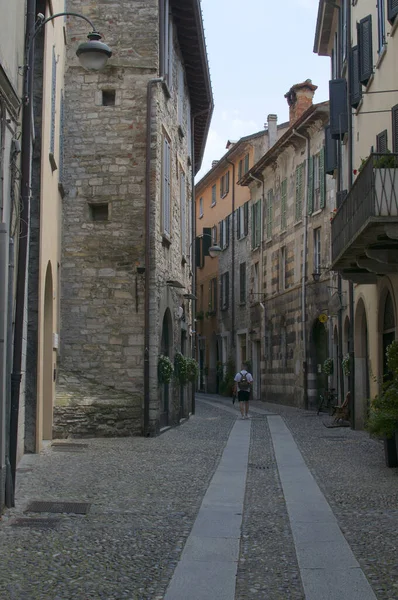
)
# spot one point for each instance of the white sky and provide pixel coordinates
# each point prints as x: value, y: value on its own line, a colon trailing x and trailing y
x: 257, y: 50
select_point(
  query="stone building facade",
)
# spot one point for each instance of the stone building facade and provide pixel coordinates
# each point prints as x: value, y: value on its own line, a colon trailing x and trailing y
x: 135, y: 136
x: 291, y: 204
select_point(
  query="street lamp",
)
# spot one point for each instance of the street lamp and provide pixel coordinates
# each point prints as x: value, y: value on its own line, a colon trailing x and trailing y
x: 93, y: 55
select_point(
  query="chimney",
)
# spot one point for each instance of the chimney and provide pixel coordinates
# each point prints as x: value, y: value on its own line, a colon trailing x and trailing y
x: 214, y: 163
x: 272, y: 122
x: 299, y: 99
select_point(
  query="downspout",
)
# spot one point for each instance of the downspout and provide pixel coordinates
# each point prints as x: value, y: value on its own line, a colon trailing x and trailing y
x: 233, y: 259
x: 148, y: 257
x: 26, y: 164
x: 350, y: 164
x: 304, y: 276
x: 193, y: 263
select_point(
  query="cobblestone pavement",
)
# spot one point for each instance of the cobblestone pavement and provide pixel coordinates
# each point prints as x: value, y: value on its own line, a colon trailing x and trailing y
x: 145, y: 495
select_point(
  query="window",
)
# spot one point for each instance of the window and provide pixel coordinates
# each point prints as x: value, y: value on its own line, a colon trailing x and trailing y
x: 316, y: 183
x: 338, y: 108
x: 108, y: 97
x: 224, y: 233
x: 283, y: 204
x: 166, y: 42
x: 299, y: 192
x: 200, y: 208
x: 224, y: 185
x: 213, y: 195
x: 381, y: 25
x: 392, y: 10
x: 356, y: 86
x: 214, y: 235
x: 270, y: 200
x: 183, y: 212
x: 166, y: 189
x: 242, y: 283
x: 343, y: 32
x: 256, y: 224
x: 317, y: 250
x: 240, y: 169
x: 365, y: 49
x: 213, y: 294
x: 224, y: 291
x: 381, y: 142
x: 242, y: 215
x: 394, y: 112
x: 180, y: 97
x: 256, y: 282
x: 99, y: 212
x: 246, y: 167
x: 282, y: 269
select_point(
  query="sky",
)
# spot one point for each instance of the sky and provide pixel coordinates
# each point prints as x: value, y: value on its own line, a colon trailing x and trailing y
x: 257, y: 50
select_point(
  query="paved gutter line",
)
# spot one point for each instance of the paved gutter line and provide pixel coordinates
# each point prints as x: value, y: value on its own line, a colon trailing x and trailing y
x: 209, y: 562
x: 328, y: 567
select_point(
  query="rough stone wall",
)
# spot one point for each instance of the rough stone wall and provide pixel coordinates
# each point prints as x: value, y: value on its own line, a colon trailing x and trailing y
x: 102, y: 332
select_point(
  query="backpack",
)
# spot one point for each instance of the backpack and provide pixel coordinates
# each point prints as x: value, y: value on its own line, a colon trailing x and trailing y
x: 244, y: 384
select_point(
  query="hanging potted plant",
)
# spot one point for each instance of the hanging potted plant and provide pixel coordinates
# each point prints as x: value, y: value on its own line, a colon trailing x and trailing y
x: 383, y: 413
x: 327, y: 366
x: 346, y: 365
x: 180, y: 368
x: 192, y: 370
x: 165, y: 369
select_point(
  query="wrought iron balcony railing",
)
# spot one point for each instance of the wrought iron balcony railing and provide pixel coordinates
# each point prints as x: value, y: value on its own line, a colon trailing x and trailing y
x: 373, y: 199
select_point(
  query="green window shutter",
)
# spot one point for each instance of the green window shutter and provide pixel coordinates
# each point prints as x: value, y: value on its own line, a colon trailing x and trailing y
x: 283, y: 204
x: 238, y: 230
x: 246, y: 163
x: 322, y: 179
x: 310, y: 199
x: 253, y: 226
x: 258, y: 224
x: 299, y: 192
x: 246, y: 218
x: 269, y: 214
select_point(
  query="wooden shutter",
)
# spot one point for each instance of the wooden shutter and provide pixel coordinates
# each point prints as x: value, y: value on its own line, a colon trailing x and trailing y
x: 365, y: 49
x: 221, y: 292
x: 394, y: 112
x: 283, y: 204
x: 207, y: 240
x: 246, y: 163
x: 198, y: 253
x: 221, y: 224
x: 227, y: 183
x: 310, y: 194
x: 269, y: 214
x: 299, y: 192
x: 240, y: 169
x: 356, y: 86
x: 238, y: 229
x: 213, y: 194
x: 330, y: 152
x: 322, y: 179
x: 246, y: 218
x: 381, y: 142
x: 166, y: 188
x: 226, y: 227
x: 392, y: 10
x: 227, y: 289
x: 338, y: 108
x: 253, y: 226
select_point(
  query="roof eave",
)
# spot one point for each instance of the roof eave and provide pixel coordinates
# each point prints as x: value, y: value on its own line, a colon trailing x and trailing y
x: 324, y: 25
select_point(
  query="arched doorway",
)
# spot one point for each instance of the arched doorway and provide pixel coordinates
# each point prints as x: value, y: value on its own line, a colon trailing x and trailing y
x: 319, y: 355
x: 48, y: 367
x: 336, y: 366
x: 388, y: 328
x: 212, y: 384
x: 362, y: 376
x: 166, y: 346
x: 345, y: 350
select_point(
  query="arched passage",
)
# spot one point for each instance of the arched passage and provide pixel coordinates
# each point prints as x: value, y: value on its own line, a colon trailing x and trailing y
x: 48, y: 367
x: 388, y: 328
x: 166, y: 350
x: 362, y: 375
x: 213, y: 360
x: 319, y: 353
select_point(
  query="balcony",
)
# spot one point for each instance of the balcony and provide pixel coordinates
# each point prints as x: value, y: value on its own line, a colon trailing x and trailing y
x: 365, y: 227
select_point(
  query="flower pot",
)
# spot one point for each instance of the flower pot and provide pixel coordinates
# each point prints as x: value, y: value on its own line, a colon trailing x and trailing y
x: 390, y: 452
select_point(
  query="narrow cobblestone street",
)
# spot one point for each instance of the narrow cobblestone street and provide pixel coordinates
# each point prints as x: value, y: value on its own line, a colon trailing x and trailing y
x: 145, y: 495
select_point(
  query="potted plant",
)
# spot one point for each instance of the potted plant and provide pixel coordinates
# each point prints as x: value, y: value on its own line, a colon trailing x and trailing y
x: 200, y: 315
x: 180, y: 368
x: 346, y: 365
x: 192, y: 370
x: 383, y: 412
x: 327, y: 366
x: 165, y: 369
x: 210, y: 314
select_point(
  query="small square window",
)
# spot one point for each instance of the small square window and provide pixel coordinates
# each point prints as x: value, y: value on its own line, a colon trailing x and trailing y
x: 108, y: 97
x: 99, y: 212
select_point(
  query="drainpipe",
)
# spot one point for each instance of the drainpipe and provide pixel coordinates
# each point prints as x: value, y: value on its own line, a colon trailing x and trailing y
x: 350, y: 164
x: 193, y: 263
x: 233, y: 259
x: 304, y: 277
x: 26, y: 165
x: 148, y: 257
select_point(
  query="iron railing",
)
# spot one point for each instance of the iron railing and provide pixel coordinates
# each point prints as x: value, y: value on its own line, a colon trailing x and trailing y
x: 373, y: 195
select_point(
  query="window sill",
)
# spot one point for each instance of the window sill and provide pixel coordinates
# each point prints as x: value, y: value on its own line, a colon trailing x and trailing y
x: 256, y: 248
x: 381, y: 56
x: 394, y: 26
x: 200, y: 216
x: 317, y: 212
x: 370, y: 81
x: 166, y: 241
x: 242, y: 237
x: 358, y: 108
x: 211, y: 205
x: 297, y: 223
x: 224, y: 195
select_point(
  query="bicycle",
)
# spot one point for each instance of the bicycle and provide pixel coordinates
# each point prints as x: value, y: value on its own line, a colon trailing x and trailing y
x: 328, y: 401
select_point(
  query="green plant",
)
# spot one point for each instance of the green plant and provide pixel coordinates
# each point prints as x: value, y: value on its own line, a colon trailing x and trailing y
x: 210, y: 313
x: 200, y: 315
x: 383, y: 412
x: 192, y: 369
x: 327, y: 366
x: 180, y: 368
x: 346, y: 365
x: 386, y: 161
x: 165, y: 369
x: 363, y: 162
